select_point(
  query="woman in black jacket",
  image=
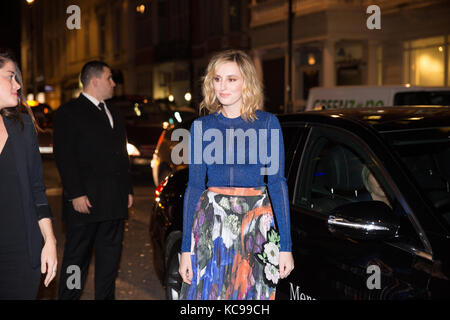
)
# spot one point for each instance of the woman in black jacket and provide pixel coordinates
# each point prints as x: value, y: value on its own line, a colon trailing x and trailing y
x: 25, y: 216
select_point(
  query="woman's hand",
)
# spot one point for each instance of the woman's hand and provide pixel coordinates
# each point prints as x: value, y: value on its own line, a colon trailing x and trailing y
x: 130, y: 200
x: 185, y: 269
x: 49, y: 260
x: 286, y: 263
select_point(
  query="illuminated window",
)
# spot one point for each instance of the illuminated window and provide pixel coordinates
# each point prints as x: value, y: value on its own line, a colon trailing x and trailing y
x: 424, y: 61
x: 448, y: 61
x: 349, y: 60
x: 235, y: 15
x: 380, y: 65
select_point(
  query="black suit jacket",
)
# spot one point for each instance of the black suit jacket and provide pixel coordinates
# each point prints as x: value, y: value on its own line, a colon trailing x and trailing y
x: 92, y: 160
x: 32, y: 188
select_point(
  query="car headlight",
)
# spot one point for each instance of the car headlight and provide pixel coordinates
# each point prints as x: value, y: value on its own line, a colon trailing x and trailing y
x: 46, y: 150
x: 132, y: 150
x: 177, y: 116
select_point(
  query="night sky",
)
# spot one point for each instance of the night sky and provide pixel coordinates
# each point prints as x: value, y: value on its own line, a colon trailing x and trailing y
x: 10, y: 25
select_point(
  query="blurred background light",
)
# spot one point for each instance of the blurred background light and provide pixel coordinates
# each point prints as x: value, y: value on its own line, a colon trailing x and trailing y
x: 140, y: 8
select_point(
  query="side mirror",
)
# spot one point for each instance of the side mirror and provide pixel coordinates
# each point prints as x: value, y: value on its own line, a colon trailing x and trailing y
x: 364, y: 220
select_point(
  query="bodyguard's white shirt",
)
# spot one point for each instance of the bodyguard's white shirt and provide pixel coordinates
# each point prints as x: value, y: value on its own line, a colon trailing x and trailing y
x: 96, y: 103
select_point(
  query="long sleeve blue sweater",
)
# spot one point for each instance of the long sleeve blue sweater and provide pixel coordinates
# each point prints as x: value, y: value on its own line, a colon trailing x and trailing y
x: 218, y: 154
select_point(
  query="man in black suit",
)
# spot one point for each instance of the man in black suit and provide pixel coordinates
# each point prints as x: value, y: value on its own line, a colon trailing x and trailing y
x: 91, y: 155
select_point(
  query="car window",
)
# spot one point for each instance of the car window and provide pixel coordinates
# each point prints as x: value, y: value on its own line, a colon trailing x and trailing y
x: 293, y: 134
x: 147, y: 114
x: 422, y: 98
x: 337, y: 169
x: 339, y: 175
x: 426, y: 155
x: 43, y: 115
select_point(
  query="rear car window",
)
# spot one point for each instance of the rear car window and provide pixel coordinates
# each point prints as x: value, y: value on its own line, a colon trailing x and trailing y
x: 438, y: 98
x: 426, y: 155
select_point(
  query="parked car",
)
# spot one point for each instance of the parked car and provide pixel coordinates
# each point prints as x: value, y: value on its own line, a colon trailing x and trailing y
x: 162, y: 164
x: 145, y: 121
x: 45, y: 141
x: 369, y: 194
x: 43, y: 114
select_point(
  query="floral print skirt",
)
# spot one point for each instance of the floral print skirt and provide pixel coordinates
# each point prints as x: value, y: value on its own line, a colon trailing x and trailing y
x: 234, y: 246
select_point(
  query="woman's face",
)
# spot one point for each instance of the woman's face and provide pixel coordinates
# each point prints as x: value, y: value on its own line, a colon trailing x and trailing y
x: 8, y: 86
x: 228, y: 83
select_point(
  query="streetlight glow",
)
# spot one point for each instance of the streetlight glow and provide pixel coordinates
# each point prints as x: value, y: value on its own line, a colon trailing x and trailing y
x: 140, y: 9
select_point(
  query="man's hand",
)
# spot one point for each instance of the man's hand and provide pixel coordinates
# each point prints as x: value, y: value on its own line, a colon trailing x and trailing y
x: 82, y: 204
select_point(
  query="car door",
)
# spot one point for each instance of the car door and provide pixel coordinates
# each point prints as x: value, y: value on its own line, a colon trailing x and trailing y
x: 328, y: 175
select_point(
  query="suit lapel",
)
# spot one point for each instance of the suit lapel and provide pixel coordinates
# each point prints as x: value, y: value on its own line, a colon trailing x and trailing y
x: 93, y: 109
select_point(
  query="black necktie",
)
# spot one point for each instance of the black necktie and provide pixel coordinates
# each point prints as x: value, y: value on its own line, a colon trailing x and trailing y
x: 101, y: 105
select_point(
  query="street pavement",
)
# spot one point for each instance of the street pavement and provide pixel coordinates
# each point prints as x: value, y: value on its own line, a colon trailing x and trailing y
x: 137, y: 279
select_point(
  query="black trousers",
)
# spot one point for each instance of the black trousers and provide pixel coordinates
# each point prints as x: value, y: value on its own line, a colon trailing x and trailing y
x: 105, y: 238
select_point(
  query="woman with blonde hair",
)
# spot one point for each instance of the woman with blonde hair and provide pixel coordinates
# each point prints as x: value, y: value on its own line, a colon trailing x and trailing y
x: 231, y: 247
x: 25, y: 218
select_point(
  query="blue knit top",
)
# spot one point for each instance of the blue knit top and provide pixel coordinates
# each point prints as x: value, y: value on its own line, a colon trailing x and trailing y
x: 218, y: 153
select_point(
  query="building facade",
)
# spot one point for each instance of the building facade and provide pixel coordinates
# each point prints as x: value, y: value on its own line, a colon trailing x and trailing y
x: 333, y: 45
x: 53, y: 51
x: 156, y: 48
x: 186, y: 34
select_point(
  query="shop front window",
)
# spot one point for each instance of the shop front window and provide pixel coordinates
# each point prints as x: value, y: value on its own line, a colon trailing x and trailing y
x: 349, y: 64
x: 424, y: 61
x: 309, y: 61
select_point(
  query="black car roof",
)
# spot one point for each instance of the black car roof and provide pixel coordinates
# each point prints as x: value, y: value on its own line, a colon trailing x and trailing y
x: 381, y: 119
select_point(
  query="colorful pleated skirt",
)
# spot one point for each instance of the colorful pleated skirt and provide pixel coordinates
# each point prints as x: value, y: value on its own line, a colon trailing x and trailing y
x: 234, y: 246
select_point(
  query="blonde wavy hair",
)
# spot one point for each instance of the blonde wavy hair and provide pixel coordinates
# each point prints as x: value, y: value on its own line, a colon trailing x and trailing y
x: 252, y: 88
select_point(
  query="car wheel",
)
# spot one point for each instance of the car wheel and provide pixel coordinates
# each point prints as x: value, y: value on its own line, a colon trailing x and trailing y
x: 173, y: 277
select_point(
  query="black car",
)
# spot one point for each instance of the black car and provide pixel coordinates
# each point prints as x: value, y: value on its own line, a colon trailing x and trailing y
x: 369, y: 195
x: 43, y: 114
x: 162, y: 164
x: 145, y: 120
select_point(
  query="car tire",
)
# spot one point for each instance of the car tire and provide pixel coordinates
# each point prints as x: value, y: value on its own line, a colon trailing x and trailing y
x: 173, y: 278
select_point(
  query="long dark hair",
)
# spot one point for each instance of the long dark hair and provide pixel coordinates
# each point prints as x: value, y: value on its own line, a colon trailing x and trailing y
x: 22, y: 105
